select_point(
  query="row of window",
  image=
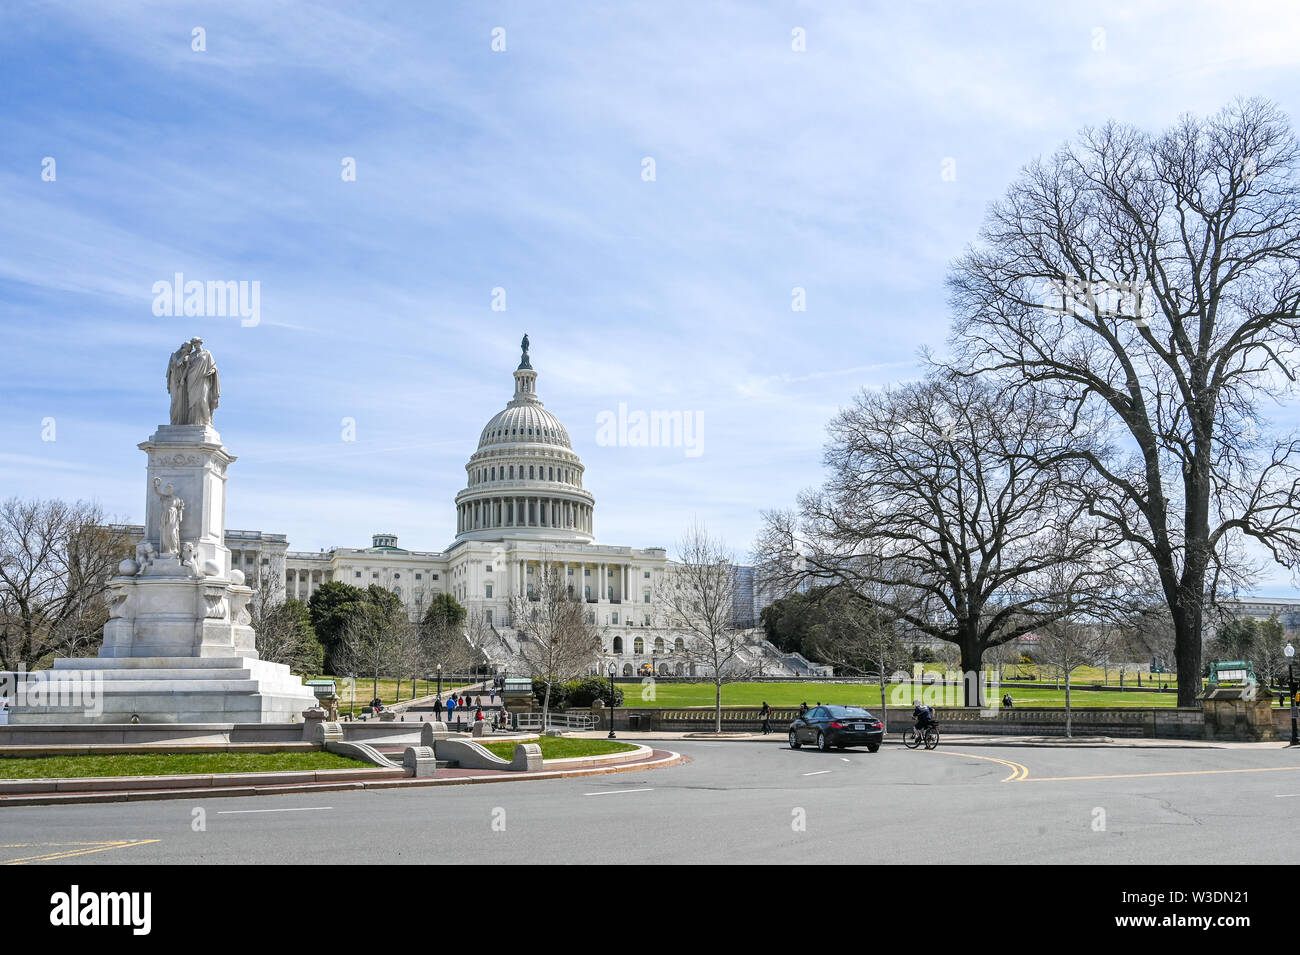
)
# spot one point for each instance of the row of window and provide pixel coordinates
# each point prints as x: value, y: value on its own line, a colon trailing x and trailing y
x: 551, y: 433
x: 535, y: 473
x: 374, y: 575
x: 638, y: 645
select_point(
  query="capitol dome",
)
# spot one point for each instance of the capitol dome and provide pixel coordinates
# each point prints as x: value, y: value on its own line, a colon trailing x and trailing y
x: 524, y: 480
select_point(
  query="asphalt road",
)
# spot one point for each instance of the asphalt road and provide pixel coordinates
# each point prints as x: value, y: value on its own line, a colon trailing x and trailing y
x: 734, y: 802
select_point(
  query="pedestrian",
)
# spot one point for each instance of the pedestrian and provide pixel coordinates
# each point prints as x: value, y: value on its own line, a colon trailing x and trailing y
x: 492, y: 696
x: 478, y: 701
x: 478, y: 714
x: 437, y: 708
x: 803, y: 710
x: 451, y: 709
x: 1006, y: 700
x: 766, y: 713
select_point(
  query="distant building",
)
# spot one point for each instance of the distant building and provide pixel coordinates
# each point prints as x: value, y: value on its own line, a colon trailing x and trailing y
x: 1287, y: 610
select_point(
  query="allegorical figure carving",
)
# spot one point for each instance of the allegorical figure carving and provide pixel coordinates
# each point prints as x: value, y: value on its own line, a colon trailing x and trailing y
x: 202, y: 383
x: 169, y: 519
x: 176, y: 384
x: 193, y: 383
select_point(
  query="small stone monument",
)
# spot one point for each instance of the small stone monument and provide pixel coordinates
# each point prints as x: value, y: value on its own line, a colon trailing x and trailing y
x: 1242, y: 713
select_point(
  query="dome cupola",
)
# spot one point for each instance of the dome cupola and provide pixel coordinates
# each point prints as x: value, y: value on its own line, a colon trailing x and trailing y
x: 524, y: 480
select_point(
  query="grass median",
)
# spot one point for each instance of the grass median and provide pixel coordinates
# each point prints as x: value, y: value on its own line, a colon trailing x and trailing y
x: 169, y: 764
x: 562, y: 747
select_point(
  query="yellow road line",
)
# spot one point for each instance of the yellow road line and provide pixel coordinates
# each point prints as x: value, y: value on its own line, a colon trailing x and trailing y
x: 1019, y: 771
x: 69, y: 853
x: 1185, y: 772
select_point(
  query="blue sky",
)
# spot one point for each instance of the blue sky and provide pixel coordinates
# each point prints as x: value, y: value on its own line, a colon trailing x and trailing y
x: 522, y: 170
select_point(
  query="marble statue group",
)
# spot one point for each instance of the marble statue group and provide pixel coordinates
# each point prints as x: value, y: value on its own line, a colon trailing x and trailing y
x: 193, y: 383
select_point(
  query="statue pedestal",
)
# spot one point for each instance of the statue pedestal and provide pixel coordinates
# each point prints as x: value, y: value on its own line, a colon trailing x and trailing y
x: 192, y: 459
x: 177, y: 647
x: 163, y: 690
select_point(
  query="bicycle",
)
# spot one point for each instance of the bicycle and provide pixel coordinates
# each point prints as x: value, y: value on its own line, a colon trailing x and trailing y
x: 929, y: 737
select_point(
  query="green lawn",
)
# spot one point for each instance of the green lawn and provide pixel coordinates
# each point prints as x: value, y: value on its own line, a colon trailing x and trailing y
x: 562, y: 747
x: 365, y: 691
x: 169, y: 764
x: 792, y: 694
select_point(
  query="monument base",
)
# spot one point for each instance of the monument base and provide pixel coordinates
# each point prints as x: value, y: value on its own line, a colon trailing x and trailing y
x: 161, y: 690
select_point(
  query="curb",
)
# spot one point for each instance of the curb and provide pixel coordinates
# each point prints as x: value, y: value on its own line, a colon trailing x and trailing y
x: 1093, y: 742
x: 340, y: 785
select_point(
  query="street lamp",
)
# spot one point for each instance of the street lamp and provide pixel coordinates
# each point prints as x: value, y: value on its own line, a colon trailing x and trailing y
x: 439, y: 679
x: 1290, y: 669
x: 612, y: 670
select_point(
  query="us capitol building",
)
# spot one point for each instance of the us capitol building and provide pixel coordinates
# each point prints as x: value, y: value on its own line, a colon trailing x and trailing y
x: 524, y: 508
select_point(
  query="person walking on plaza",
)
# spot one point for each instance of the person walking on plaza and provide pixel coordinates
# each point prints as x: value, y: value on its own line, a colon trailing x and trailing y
x: 803, y: 710
x: 437, y: 708
x: 766, y: 713
x: 451, y: 708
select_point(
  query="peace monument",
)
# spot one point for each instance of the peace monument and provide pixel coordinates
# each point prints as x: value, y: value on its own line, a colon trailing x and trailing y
x: 178, y: 647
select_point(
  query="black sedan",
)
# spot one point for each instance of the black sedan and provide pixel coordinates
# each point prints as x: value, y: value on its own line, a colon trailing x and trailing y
x: 835, y: 727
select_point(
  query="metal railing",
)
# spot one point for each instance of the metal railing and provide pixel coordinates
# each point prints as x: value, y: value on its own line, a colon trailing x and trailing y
x: 566, y: 721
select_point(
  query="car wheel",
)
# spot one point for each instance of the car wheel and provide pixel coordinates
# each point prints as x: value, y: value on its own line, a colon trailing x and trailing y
x: 821, y: 742
x: 794, y: 740
x: 873, y: 747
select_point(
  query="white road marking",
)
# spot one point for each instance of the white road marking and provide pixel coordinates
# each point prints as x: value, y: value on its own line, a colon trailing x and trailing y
x: 237, y: 812
x: 818, y: 773
x: 1285, y: 795
x: 615, y: 792
x: 844, y: 759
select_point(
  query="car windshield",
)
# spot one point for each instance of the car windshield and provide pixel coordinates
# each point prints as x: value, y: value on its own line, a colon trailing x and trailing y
x: 850, y: 713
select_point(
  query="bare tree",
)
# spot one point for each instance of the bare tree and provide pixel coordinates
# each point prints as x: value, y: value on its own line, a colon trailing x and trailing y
x: 697, y: 595
x: 372, y: 637
x: 557, y: 641
x: 283, y: 628
x: 941, y: 512
x: 1151, y: 283
x: 1067, y: 645
x: 56, y: 560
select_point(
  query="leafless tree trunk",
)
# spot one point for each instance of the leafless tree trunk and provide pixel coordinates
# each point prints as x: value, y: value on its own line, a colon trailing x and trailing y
x: 1148, y: 285
x: 558, y: 643
x: 372, y: 638
x: 56, y: 560
x: 1068, y: 645
x: 697, y: 594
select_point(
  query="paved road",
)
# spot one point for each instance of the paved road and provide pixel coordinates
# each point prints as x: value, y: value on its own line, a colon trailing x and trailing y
x: 734, y: 802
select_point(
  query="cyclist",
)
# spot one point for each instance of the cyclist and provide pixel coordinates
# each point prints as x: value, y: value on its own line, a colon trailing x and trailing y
x: 923, y: 717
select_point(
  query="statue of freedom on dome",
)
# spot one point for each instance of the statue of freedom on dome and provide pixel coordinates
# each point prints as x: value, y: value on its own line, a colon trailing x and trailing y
x: 523, y: 362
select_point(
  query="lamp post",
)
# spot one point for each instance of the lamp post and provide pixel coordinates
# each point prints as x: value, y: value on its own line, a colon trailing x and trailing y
x: 611, y: 703
x: 439, y: 680
x: 1290, y: 670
